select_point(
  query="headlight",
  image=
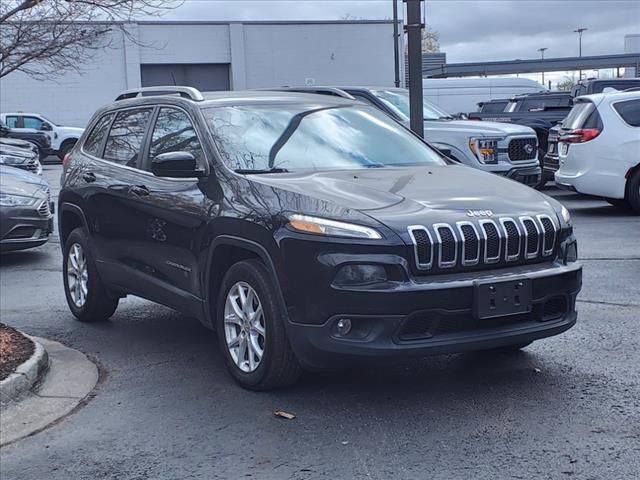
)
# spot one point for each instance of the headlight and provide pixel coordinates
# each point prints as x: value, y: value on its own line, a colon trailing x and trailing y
x: 566, y: 216
x: 11, y: 160
x: 485, y: 149
x: 322, y: 226
x: 7, y: 200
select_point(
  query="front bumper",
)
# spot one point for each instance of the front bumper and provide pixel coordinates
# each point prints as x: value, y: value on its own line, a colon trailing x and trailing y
x: 23, y: 227
x: 528, y: 175
x: 435, y: 316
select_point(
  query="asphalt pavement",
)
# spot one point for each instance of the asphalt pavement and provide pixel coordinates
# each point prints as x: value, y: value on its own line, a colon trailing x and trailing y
x: 165, y: 408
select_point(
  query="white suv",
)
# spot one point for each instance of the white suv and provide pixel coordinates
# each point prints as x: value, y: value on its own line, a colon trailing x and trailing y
x: 62, y: 138
x: 599, y: 148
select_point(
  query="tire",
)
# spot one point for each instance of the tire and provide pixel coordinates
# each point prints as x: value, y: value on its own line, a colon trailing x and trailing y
x: 633, y: 191
x: 278, y: 366
x: 66, y: 146
x: 543, y: 178
x: 97, y: 304
x: 41, y: 155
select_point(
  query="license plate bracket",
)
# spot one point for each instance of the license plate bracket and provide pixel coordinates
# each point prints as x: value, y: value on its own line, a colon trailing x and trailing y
x: 501, y: 298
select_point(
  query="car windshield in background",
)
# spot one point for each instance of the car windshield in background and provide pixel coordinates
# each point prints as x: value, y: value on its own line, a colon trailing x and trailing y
x: 265, y: 139
x: 398, y: 100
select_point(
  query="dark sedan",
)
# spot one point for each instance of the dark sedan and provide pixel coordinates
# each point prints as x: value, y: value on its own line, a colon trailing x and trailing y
x: 26, y: 219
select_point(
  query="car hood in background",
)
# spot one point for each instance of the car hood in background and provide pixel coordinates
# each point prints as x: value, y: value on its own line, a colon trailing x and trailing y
x: 11, y: 185
x: 24, y: 176
x: 478, y: 128
x: 16, y: 151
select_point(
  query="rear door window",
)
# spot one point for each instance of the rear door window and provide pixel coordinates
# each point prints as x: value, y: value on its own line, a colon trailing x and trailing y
x: 629, y: 110
x: 125, y: 138
x: 95, y: 141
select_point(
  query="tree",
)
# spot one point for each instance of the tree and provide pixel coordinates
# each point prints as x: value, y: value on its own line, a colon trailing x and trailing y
x: 566, y: 85
x: 45, y: 38
x: 430, y: 40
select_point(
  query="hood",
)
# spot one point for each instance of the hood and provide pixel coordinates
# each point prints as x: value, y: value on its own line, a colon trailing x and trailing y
x: 15, y: 142
x: 24, y: 176
x: 16, y: 151
x: 398, y: 197
x: 11, y: 185
x: 477, y: 128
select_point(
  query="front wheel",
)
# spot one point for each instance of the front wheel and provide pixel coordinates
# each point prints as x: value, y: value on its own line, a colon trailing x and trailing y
x: 87, y: 296
x: 251, y: 329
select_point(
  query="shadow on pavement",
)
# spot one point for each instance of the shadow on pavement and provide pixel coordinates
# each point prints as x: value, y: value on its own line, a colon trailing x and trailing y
x: 23, y: 257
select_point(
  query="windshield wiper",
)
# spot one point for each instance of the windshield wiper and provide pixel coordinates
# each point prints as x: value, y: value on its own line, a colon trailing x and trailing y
x: 261, y: 170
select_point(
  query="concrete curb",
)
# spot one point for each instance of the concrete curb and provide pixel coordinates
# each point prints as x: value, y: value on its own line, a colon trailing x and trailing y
x: 67, y: 385
x: 19, y: 383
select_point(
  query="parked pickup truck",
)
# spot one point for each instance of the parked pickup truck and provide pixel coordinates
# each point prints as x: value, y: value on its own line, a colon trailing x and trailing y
x: 540, y: 111
x: 507, y: 150
x: 62, y: 138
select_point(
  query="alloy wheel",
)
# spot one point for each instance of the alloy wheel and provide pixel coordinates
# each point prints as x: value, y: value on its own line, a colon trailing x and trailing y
x: 244, y: 326
x: 77, y: 275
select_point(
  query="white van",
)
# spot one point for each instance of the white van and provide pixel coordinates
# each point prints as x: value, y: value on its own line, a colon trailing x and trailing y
x: 457, y: 95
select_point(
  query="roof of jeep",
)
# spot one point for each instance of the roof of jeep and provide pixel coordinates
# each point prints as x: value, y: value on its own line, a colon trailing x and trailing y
x: 268, y: 97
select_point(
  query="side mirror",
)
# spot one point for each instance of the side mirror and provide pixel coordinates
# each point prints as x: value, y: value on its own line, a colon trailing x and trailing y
x: 175, y: 165
x: 46, y: 127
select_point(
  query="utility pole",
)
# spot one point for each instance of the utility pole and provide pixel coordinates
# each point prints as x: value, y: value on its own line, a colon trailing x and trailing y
x: 541, y: 50
x: 414, y: 29
x: 579, y: 32
x: 396, y: 38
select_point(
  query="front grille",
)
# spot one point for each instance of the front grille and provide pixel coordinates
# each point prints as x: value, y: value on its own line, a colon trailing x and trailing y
x: 43, y: 209
x: 522, y: 149
x: 525, y: 239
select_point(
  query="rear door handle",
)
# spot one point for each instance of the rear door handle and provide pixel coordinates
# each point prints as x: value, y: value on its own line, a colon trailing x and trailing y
x: 139, y: 190
x: 89, y: 177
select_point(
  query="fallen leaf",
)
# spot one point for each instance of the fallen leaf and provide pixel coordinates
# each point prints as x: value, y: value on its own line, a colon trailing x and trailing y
x: 282, y: 414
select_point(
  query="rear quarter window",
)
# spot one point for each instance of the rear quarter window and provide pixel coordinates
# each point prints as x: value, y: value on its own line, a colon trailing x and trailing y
x: 93, y: 143
x: 583, y: 115
x: 629, y: 111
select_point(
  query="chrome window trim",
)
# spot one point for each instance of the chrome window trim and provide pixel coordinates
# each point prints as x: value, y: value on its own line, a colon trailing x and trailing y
x: 487, y: 259
x: 452, y: 263
x: 421, y: 266
x: 507, y: 257
x: 465, y: 261
x: 548, y: 251
x: 528, y: 255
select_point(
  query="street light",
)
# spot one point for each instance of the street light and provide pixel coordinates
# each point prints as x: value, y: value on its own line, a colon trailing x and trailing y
x: 541, y: 50
x: 579, y: 32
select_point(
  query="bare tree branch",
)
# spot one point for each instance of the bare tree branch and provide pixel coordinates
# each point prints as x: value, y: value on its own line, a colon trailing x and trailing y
x: 45, y: 38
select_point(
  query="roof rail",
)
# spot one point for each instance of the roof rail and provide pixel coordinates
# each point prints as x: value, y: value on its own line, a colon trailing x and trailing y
x: 185, y: 92
x: 338, y: 92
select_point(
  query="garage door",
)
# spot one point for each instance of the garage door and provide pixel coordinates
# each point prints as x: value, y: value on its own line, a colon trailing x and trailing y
x: 206, y: 77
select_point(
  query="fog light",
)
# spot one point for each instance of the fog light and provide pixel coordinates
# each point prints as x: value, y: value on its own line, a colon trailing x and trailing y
x: 571, y: 253
x: 360, y: 275
x: 344, y: 326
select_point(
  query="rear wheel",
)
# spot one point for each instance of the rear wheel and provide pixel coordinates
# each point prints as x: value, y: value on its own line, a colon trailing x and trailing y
x: 633, y: 191
x: 87, y: 296
x: 251, y: 330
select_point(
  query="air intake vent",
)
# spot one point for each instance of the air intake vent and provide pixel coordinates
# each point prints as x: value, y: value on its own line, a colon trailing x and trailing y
x: 423, y: 246
x: 513, y: 239
x: 549, y: 234
x: 492, y: 240
x: 531, y: 232
x: 470, y: 243
x: 447, y: 243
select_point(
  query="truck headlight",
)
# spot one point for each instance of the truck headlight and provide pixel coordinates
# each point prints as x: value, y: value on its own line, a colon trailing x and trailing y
x: 323, y: 226
x: 7, y: 200
x: 11, y: 160
x: 484, y: 149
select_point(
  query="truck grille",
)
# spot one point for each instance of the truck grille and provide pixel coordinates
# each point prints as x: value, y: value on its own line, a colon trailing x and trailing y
x: 507, y: 240
x: 522, y: 149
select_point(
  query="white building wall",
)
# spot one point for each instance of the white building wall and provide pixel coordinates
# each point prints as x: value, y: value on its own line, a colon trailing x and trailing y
x: 261, y: 54
x: 323, y: 54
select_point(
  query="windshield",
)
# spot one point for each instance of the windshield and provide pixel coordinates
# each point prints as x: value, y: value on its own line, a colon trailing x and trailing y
x: 276, y: 138
x: 398, y: 100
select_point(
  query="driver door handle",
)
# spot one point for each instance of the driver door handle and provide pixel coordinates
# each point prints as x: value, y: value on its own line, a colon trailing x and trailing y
x: 139, y: 190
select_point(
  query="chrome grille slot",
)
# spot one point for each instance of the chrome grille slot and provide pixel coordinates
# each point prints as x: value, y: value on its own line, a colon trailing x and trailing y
x: 492, y: 241
x: 43, y: 209
x: 447, y: 247
x: 470, y: 243
x: 422, y: 246
x: 512, y: 236
x: 532, y: 234
x: 548, y: 234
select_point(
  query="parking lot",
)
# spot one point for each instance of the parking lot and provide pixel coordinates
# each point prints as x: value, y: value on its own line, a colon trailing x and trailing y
x: 567, y: 406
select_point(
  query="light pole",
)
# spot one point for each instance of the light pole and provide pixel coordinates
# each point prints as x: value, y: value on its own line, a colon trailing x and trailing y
x: 579, y: 32
x: 541, y: 50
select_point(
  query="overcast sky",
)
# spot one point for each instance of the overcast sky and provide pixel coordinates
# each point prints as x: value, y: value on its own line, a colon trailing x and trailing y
x: 471, y: 30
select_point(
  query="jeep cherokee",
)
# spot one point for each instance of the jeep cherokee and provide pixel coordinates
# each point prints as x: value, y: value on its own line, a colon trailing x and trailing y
x: 308, y: 231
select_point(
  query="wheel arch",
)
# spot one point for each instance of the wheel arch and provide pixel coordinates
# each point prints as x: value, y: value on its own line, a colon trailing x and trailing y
x: 226, y: 250
x: 70, y: 216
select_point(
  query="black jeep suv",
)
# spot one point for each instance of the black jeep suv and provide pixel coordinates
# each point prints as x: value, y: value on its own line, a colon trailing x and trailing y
x: 308, y: 231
